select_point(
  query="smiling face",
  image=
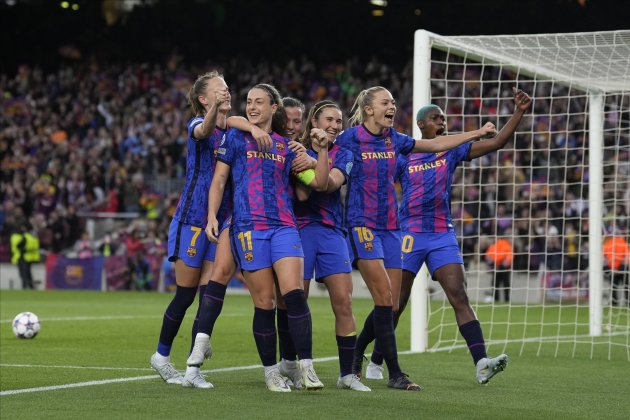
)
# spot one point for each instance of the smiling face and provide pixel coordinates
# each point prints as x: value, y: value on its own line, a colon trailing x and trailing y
x: 329, y: 120
x: 294, y: 123
x: 259, y: 109
x: 381, y: 111
x: 433, y: 124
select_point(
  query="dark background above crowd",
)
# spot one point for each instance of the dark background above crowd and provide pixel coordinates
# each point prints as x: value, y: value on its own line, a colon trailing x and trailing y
x: 43, y: 32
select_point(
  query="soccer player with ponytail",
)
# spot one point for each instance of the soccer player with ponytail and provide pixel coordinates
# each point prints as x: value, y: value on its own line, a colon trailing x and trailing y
x: 264, y: 233
x: 374, y: 239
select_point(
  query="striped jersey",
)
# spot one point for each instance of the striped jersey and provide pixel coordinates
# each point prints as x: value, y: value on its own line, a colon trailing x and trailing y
x: 322, y: 207
x: 192, y: 208
x: 371, y: 195
x: 426, y: 180
x: 263, y: 194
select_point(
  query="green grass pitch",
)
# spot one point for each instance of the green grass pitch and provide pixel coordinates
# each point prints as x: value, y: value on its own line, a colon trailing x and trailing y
x: 98, y: 345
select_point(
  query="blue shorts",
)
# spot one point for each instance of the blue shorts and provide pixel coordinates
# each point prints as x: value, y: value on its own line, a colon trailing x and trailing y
x: 325, y: 251
x: 190, y: 244
x: 370, y: 244
x: 434, y: 249
x: 257, y: 249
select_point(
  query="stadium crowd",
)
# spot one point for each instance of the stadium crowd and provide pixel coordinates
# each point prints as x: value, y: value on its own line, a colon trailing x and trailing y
x: 95, y: 137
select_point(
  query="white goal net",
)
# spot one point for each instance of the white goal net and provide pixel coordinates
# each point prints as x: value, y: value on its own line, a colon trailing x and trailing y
x: 559, y: 192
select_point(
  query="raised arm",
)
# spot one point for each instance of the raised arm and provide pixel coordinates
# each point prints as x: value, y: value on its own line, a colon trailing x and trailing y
x: 319, y: 179
x: 263, y: 139
x: 444, y: 143
x: 215, y: 196
x: 209, y: 122
x: 522, y: 101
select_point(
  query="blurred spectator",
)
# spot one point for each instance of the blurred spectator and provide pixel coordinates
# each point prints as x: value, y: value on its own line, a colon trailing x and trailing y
x: 617, y: 260
x: 499, y: 257
x: 24, y: 252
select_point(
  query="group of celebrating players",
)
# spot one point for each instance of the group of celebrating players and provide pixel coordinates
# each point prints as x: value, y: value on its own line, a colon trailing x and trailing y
x: 262, y: 195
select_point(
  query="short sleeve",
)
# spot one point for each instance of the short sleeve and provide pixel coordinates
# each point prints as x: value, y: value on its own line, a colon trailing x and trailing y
x: 191, y: 127
x: 228, y: 146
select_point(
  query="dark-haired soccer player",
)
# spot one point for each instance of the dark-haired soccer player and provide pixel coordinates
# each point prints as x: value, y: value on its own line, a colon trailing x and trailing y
x: 294, y: 109
x: 187, y: 245
x: 319, y: 218
x: 427, y: 227
x: 373, y: 234
x: 264, y: 234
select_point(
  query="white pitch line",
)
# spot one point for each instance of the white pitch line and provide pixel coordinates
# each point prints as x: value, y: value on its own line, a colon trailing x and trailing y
x: 72, y: 367
x: 107, y: 318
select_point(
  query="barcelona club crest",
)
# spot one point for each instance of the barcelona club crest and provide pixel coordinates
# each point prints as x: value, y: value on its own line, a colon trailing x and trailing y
x: 191, y: 252
x: 368, y: 246
x: 388, y: 141
x: 280, y: 146
x: 249, y: 256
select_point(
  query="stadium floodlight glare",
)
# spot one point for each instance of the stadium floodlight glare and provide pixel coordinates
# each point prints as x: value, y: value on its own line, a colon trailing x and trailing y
x: 557, y: 190
x: 379, y: 3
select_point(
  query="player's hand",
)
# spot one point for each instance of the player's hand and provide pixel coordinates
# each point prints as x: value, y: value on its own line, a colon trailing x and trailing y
x: 263, y: 139
x: 302, y: 162
x: 212, y: 229
x: 221, y: 96
x: 297, y: 147
x: 319, y: 137
x: 521, y: 99
x: 487, y: 131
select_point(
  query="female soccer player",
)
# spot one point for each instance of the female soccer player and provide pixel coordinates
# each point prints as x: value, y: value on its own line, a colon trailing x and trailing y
x: 319, y: 218
x: 373, y: 239
x: 263, y: 232
x: 295, y: 117
x: 192, y: 252
x: 427, y: 227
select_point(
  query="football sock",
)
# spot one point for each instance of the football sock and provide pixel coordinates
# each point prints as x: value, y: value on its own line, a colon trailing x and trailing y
x: 377, y: 354
x: 385, y: 338
x: 287, y: 349
x: 264, y: 328
x: 366, y: 336
x: 345, y: 346
x: 173, y: 317
x: 195, y: 325
x: 211, y: 306
x: 471, y: 331
x: 300, y: 323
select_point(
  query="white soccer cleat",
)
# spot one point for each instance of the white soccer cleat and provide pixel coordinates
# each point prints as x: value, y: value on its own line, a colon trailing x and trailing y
x: 310, y: 381
x: 291, y: 370
x: 487, y: 368
x: 201, y: 350
x: 351, y: 382
x: 374, y: 371
x: 196, y: 380
x: 276, y: 382
x: 167, y: 371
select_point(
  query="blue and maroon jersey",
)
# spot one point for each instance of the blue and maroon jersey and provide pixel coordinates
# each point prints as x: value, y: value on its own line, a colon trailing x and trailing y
x: 426, y: 180
x: 322, y: 207
x: 263, y: 195
x: 192, y: 208
x: 225, y: 210
x: 371, y: 196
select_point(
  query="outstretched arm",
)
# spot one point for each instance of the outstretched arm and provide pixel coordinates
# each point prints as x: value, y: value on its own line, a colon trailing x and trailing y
x: 443, y: 143
x: 263, y: 139
x: 209, y: 122
x: 522, y: 101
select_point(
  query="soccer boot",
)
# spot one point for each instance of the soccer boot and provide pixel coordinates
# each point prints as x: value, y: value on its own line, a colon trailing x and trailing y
x: 201, y: 351
x: 276, y: 382
x: 402, y: 381
x: 196, y: 380
x: 352, y: 382
x: 487, y: 368
x: 167, y: 371
x: 310, y: 381
x: 291, y: 370
x: 374, y: 371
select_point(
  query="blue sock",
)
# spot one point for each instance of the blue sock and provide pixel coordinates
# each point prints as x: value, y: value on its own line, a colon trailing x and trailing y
x: 265, y: 335
x: 471, y: 331
x: 386, y: 339
x: 345, y: 347
x: 377, y: 354
x: 287, y: 349
x: 211, y: 306
x: 300, y: 323
x: 173, y: 317
x: 195, y: 325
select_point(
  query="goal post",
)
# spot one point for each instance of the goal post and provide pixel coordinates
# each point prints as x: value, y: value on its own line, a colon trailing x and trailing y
x: 557, y: 191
